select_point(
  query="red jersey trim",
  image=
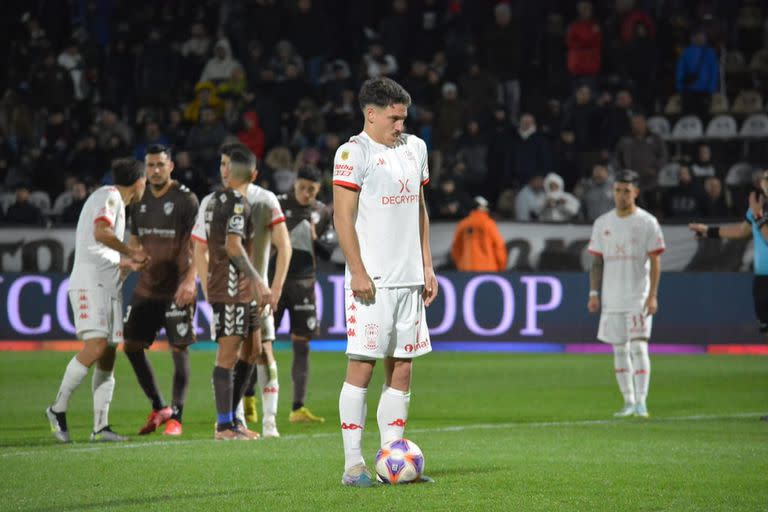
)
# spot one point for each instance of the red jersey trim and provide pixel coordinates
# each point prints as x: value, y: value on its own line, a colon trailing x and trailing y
x: 201, y: 240
x: 103, y: 217
x: 276, y: 222
x: 425, y: 182
x: 657, y: 251
x: 594, y: 253
x: 347, y: 184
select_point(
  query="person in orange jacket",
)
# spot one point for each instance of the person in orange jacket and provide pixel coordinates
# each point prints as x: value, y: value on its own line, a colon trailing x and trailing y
x: 477, y: 244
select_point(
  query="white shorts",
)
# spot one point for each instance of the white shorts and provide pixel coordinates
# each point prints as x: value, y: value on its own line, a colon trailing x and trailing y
x: 97, y: 314
x: 394, y: 325
x: 620, y: 328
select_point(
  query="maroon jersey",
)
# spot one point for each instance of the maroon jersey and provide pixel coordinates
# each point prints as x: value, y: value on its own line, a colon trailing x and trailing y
x: 228, y: 213
x: 163, y: 225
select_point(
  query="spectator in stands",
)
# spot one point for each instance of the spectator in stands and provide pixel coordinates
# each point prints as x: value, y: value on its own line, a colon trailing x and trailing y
x: 643, y: 152
x: 584, y: 40
x: 684, y: 200
x: 477, y: 244
x: 449, y: 200
x: 205, y: 97
x: 71, y: 213
x: 252, y: 135
x: 713, y: 203
x: 500, y: 155
x: 65, y: 198
x: 279, y: 162
x: 157, y: 72
x: 450, y: 116
x: 108, y: 124
x: 702, y: 165
x: 502, y: 46
x: 596, y: 193
x: 473, y: 153
x: 529, y: 202
x: 219, y: 67
x: 559, y: 205
x: 580, y: 127
x: 87, y: 161
x: 187, y: 173
x: 152, y: 135
x: 71, y: 60
x: 616, y: 116
x: 377, y: 62
x: 639, y: 61
x: 50, y: 85
x: 479, y: 88
x: 285, y: 56
x: 205, y: 138
x: 22, y: 211
x: 697, y: 75
x: 194, y: 51
x: 532, y: 152
x: 397, y: 29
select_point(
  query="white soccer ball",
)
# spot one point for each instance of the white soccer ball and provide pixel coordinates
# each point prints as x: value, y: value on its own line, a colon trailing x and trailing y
x: 399, y: 462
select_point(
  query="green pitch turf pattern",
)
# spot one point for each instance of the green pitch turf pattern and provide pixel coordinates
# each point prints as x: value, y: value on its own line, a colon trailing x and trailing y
x: 499, y: 432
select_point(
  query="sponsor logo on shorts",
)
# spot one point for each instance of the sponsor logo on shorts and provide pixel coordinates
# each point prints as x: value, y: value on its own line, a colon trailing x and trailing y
x: 371, y: 336
x: 415, y: 347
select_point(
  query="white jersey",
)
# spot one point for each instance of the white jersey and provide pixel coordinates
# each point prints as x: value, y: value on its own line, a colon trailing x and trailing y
x: 387, y: 225
x: 96, y: 265
x: 255, y: 196
x: 625, y: 244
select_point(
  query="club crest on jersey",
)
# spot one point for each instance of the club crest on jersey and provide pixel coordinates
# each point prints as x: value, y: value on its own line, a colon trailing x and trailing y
x: 168, y: 208
x: 223, y: 198
x: 182, y: 329
x: 311, y: 323
x: 143, y: 208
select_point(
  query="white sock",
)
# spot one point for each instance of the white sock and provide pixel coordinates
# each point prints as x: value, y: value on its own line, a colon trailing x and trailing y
x: 392, y: 414
x: 73, y: 376
x: 270, y: 390
x: 642, y: 365
x: 240, y: 412
x: 622, y: 364
x: 352, y: 412
x: 103, y: 386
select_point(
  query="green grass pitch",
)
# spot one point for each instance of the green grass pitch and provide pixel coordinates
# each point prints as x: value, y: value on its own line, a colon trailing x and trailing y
x: 499, y: 432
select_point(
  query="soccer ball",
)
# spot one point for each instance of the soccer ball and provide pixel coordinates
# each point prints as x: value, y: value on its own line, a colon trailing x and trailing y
x: 399, y: 462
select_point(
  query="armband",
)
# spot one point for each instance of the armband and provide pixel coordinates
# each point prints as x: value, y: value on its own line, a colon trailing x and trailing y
x: 713, y: 232
x: 594, y: 293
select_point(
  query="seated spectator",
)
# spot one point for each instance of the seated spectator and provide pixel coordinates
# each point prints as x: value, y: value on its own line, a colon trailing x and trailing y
x: 477, y: 244
x: 252, y: 135
x: 109, y: 124
x: 219, y: 68
x: 191, y: 176
x: 684, y: 200
x: 713, y: 203
x: 702, y: 165
x: 596, y: 193
x: 285, y: 57
x: 615, y: 115
x: 205, y: 97
x: 559, y: 205
x: 22, y: 212
x: 152, y: 135
x: 529, y: 202
x: 450, y: 115
x: 71, y: 213
x: 205, y: 138
x: 531, y: 152
x: 473, y: 152
x: 449, y: 201
x: 65, y: 198
x: 279, y: 162
x: 377, y: 62
x: 88, y: 162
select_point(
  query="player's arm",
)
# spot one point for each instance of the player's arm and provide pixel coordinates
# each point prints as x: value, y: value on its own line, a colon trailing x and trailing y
x: 200, y: 262
x: 651, y: 302
x: 104, y: 234
x: 186, y: 291
x: 239, y: 258
x: 430, y: 280
x: 344, y: 214
x: 595, y: 282
x: 281, y: 241
x: 740, y: 231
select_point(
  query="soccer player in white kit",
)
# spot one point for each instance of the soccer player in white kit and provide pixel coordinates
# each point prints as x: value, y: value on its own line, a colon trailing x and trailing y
x: 95, y: 293
x: 627, y: 243
x: 383, y: 228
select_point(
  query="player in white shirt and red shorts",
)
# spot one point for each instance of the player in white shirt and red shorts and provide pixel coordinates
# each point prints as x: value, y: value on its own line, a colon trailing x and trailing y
x: 627, y: 243
x: 95, y: 293
x: 383, y: 228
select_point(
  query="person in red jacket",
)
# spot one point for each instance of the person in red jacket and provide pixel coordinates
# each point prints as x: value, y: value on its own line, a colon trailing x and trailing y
x: 584, y: 41
x: 253, y: 135
x: 477, y: 245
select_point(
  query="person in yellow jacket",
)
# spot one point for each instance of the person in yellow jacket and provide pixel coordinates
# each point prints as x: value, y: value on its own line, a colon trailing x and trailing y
x: 477, y: 244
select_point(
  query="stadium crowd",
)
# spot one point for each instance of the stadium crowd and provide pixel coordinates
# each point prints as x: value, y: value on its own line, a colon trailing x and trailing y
x: 532, y: 105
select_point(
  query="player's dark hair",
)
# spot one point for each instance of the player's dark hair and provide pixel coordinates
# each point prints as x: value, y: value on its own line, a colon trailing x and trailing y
x: 125, y: 171
x: 241, y: 163
x: 227, y: 149
x: 382, y: 92
x: 310, y: 173
x: 628, y: 176
x: 156, y: 149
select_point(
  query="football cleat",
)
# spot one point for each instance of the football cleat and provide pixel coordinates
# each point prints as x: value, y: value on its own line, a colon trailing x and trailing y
x: 58, y: 421
x: 106, y: 435
x: 269, y: 429
x: 229, y: 434
x: 627, y: 410
x: 172, y: 428
x: 155, y: 419
x: 641, y: 411
x: 250, y: 434
x: 304, y: 415
x: 357, y: 476
x: 251, y: 412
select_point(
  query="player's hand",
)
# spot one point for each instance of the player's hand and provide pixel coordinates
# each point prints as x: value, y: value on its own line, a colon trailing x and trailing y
x: 128, y: 265
x: 185, y: 294
x: 140, y: 257
x: 277, y: 292
x: 699, y: 229
x: 756, y: 205
x: 262, y: 293
x: 651, y: 305
x: 362, y: 287
x: 430, y: 286
x: 593, y: 306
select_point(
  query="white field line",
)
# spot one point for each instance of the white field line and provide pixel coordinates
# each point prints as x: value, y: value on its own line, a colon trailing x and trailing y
x: 75, y: 448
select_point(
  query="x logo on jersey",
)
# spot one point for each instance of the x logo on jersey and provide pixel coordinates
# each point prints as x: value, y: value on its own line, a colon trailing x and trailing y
x: 381, y: 162
x: 404, y: 186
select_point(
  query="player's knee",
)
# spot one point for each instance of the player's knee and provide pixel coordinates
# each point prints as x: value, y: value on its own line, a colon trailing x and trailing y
x: 639, y: 347
x: 134, y: 346
x: 621, y: 349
